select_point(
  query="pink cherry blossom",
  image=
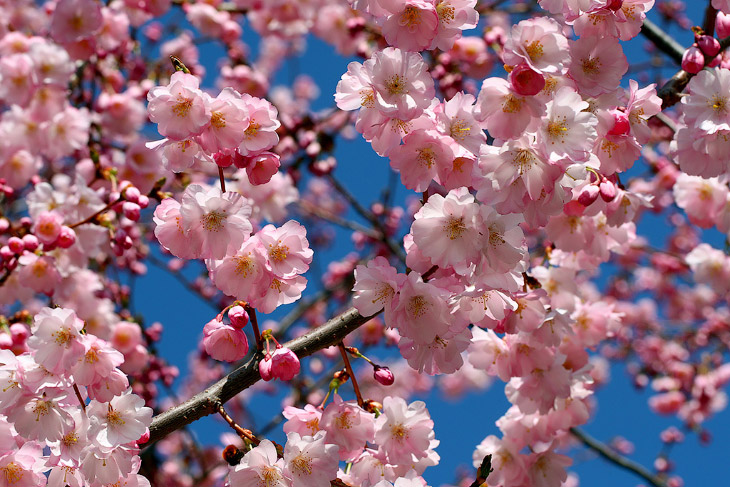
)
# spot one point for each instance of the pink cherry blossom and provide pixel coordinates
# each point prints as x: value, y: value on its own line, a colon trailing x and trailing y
x: 401, y: 83
x: 57, y: 338
x: 219, y: 221
x: 347, y: 426
x: 260, y: 134
x: 597, y: 64
x: 179, y: 109
x: 310, y: 462
x: 122, y: 420
x: 260, y: 466
x: 75, y: 19
x: 412, y: 24
x: 403, y: 430
x: 540, y: 43
x: 287, y: 248
x: 224, y: 342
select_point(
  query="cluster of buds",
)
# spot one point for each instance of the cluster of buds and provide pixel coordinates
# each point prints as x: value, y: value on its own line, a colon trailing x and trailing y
x: 227, y: 342
x: 282, y: 363
x: 705, y: 47
x: 600, y: 185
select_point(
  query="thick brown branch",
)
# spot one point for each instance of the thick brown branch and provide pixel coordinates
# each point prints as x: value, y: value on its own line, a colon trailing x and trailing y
x: 618, y: 459
x: 208, y: 401
x: 663, y: 41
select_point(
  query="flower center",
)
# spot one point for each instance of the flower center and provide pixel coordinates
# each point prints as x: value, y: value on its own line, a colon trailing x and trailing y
x: 445, y: 12
x: 534, y: 50
x: 399, y: 432
x: 459, y: 129
x: 252, y: 129
x: 13, y: 472
x: 218, y: 120
x: 511, y: 104
x: 417, y: 306
x: 410, y: 17
x: 114, y: 417
x: 244, y: 265
x: 183, y: 106
x: 557, y: 129
x: 302, y: 464
x: 396, y: 85
x: 454, y: 228
x: 718, y: 104
x: 523, y: 159
x: 278, y: 253
x: 62, y: 336
x: 426, y: 157
x: 591, y: 65
x: 213, y: 221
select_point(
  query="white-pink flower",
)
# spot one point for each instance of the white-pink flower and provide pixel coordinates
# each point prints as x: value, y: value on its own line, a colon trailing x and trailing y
x: 179, y: 109
x: 287, y: 248
x: 707, y: 108
x: 219, y: 221
x: 567, y: 130
x: 597, y: 64
x: 412, y: 24
x: 122, y: 420
x: 403, y: 431
x: 402, y: 84
x: 309, y: 461
x: 539, y: 42
x: 260, y: 466
x: 57, y: 339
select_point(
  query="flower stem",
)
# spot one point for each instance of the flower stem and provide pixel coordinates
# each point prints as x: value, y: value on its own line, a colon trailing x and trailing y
x: 242, y: 432
x: 346, y: 359
x: 81, y: 399
x: 255, y: 325
x: 222, y: 179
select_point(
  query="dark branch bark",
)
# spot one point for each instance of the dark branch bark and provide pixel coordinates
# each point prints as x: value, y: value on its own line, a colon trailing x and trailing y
x: 617, y: 459
x: 663, y: 41
x: 208, y: 401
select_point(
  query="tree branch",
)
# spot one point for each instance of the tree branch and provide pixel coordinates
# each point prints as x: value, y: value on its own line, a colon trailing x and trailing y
x: 663, y: 41
x: 208, y: 401
x: 618, y: 459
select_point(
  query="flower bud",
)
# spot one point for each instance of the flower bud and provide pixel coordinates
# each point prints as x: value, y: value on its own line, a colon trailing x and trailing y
x: 284, y: 364
x: 238, y: 317
x: 265, y: 368
x: 693, y: 61
x: 607, y: 190
x: 16, y: 244
x: 383, y: 375
x: 132, y: 194
x: 262, y: 167
x: 30, y: 242
x: 709, y: 45
x: 588, y: 195
x: 131, y: 210
x: 525, y: 81
x: 67, y: 237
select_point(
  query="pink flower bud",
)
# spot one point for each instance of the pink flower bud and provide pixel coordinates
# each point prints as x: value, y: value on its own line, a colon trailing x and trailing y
x: 238, y: 317
x: 588, y: 195
x: 722, y: 25
x: 262, y: 167
x: 5, y: 341
x: 284, y: 364
x: 19, y: 333
x: 693, y: 61
x: 30, y: 242
x: 223, y: 158
x: 132, y: 194
x: 525, y: 81
x: 16, y: 244
x: 709, y: 45
x: 144, y: 438
x: 615, y: 5
x: 6, y: 253
x: 223, y: 342
x: 131, y: 210
x: 265, y: 368
x: 383, y: 375
x: 4, y: 225
x: 67, y: 237
x: 607, y: 191
x: 621, y: 125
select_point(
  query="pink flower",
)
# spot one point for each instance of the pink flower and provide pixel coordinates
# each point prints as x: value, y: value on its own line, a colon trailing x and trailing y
x: 122, y: 420
x: 219, y: 221
x: 224, y: 342
x: 540, y: 43
x: 261, y: 167
x: 23, y: 467
x: 42, y: 418
x: 228, y: 122
x: 242, y: 274
x: 354, y: 90
x: 412, y: 24
x: 170, y: 232
x: 279, y: 291
x: 455, y: 118
x: 305, y: 421
x: 260, y: 134
x: 419, y: 158
x: 67, y: 132
x: 347, y: 426
x: 260, y: 466
x: 707, y: 108
x: 642, y: 104
x: 504, y: 246
x: 447, y: 230
x: 403, y: 431
x: 57, y: 339
x: 567, y: 130
x: 98, y: 361
x: 47, y: 226
x: 179, y: 109
x: 454, y: 16
x: 110, y: 386
x: 287, y: 249
x: 504, y: 113
x: 75, y: 19
x: 597, y: 65
x: 39, y: 273
x: 309, y: 461
x: 422, y: 312
x: 376, y: 286
x: 402, y: 84
x: 441, y: 356
x: 284, y: 364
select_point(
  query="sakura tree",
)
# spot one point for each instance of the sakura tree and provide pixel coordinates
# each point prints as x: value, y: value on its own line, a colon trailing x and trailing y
x: 556, y: 202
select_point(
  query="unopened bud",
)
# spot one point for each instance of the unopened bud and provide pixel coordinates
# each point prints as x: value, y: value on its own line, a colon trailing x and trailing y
x: 383, y: 375
x: 238, y: 317
x: 693, y: 61
x: 525, y: 81
x: 722, y: 25
x: 588, y: 195
x: 607, y: 191
x: 709, y: 45
x: 621, y: 125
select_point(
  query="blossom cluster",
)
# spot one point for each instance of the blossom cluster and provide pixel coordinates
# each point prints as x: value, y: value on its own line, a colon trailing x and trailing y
x: 68, y: 395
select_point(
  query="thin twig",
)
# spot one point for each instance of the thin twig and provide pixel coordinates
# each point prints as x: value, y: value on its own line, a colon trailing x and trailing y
x: 222, y: 179
x: 613, y: 456
x: 242, y: 432
x: 81, y: 399
x: 91, y: 218
x: 346, y: 359
x: 255, y: 324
